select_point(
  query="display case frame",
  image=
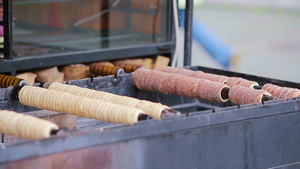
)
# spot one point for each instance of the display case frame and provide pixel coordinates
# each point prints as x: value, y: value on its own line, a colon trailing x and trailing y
x: 11, y: 65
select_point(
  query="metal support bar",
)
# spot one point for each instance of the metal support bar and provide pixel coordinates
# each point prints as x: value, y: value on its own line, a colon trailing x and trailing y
x: 7, y: 22
x: 188, y: 33
x: 128, y: 16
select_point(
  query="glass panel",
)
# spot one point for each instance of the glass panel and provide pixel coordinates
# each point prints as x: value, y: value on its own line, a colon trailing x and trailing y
x: 1, y: 29
x: 57, y: 26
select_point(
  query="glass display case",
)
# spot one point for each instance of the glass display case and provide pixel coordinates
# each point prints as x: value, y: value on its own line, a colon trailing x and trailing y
x: 58, y: 32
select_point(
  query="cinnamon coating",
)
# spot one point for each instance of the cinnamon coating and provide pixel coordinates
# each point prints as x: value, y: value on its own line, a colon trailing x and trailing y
x: 185, y: 72
x: 167, y: 69
x: 199, y: 75
x: 193, y: 87
x: 243, y: 95
x: 293, y: 93
x: 235, y: 81
x: 281, y: 92
x: 211, y: 77
x: 230, y: 81
x: 178, y: 84
x: 173, y: 70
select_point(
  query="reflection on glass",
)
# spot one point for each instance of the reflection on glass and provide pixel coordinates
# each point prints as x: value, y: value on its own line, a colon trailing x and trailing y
x: 1, y: 17
x: 56, y: 26
x: 1, y: 29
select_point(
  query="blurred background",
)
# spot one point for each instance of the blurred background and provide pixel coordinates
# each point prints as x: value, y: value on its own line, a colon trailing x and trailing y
x: 265, y: 35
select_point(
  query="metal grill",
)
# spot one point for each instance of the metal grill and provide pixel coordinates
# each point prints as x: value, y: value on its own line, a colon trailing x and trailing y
x: 253, y: 134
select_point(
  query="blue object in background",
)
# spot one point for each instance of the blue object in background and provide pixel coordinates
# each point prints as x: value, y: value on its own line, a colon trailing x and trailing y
x: 211, y: 43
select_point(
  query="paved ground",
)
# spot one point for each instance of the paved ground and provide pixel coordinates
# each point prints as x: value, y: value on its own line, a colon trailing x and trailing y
x: 266, y: 35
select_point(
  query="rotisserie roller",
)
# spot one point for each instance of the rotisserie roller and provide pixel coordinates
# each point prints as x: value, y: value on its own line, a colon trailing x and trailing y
x: 6, y: 81
x: 243, y: 95
x: 25, y: 126
x: 230, y: 81
x: 156, y: 110
x: 105, y: 70
x: 79, y: 106
x: 128, y: 67
x: 281, y: 92
x: 167, y: 83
